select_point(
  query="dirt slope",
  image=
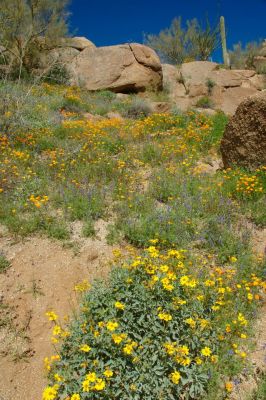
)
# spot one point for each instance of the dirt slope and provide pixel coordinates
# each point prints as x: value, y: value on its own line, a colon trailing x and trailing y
x: 41, y: 278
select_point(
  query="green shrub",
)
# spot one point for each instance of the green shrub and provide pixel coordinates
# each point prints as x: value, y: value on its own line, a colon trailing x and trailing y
x: 210, y: 85
x: 57, y: 74
x: 139, y: 108
x: 155, y: 330
x: 204, y: 102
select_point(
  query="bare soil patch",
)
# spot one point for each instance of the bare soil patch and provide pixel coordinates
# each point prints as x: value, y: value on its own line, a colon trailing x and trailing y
x: 42, y: 278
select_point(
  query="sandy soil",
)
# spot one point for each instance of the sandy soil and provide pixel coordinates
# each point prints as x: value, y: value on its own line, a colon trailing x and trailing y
x: 41, y: 278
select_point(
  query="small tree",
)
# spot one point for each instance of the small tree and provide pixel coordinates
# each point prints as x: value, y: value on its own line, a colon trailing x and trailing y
x: 205, y: 40
x: 27, y: 26
x: 177, y: 44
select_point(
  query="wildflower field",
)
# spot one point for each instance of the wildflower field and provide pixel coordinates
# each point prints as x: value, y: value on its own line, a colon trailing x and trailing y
x: 175, y: 318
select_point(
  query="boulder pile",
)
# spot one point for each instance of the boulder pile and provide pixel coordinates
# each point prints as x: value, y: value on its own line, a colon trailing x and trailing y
x: 133, y: 68
x: 222, y: 89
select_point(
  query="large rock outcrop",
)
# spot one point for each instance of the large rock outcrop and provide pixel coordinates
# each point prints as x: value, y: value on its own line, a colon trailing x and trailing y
x: 65, y: 51
x: 244, y: 140
x: 226, y: 89
x: 122, y: 68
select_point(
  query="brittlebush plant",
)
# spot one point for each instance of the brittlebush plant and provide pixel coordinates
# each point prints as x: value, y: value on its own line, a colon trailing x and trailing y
x: 158, y: 329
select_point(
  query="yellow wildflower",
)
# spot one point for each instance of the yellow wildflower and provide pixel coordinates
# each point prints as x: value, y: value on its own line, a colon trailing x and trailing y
x: 165, y: 316
x: 112, y: 325
x: 91, y: 377
x: 108, y: 373
x: 214, y: 359
x: 229, y: 387
x: 75, y: 396
x: 100, y: 384
x: 57, y: 330
x: 190, y: 322
x: 206, y: 352
x: 58, y: 378
x: 175, y: 377
x: 50, y: 393
x: 118, y: 338
x: 129, y: 347
x: 170, y: 348
x: 51, y: 315
x: 198, y: 360
x: 85, y: 347
x: 119, y: 305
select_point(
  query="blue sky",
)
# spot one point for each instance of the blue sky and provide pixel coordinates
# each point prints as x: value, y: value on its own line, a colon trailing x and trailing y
x: 108, y: 22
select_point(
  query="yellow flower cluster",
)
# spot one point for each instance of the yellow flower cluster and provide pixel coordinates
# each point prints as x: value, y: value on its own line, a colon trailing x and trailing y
x: 249, y: 184
x: 38, y: 201
x: 175, y: 377
x: 52, y: 316
x: 118, y: 338
x: 82, y: 286
x: 50, y: 392
x: 165, y: 317
x: 93, y: 383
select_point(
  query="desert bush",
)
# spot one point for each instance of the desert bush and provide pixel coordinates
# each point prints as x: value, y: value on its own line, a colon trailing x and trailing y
x: 210, y: 85
x: 57, y: 74
x: 204, y: 102
x: 177, y: 44
x: 243, y: 57
x: 138, y: 108
x: 24, y: 107
x: 157, y: 329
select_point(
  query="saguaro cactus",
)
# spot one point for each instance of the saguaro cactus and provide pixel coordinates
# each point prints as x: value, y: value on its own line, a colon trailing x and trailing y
x: 223, y: 38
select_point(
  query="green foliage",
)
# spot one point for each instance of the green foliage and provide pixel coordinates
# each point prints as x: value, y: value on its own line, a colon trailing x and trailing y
x: 219, y: 123
x: 4, y: 263
x: 57, y: 74
x: 88, y: 228
x: 153, y: 331
x: 204, y: 102
x: 27, y: 27
x: 210, y: 85
x: 177, y: 44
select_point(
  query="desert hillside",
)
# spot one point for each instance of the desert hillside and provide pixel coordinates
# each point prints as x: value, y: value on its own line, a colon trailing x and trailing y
x: 132, y: 214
